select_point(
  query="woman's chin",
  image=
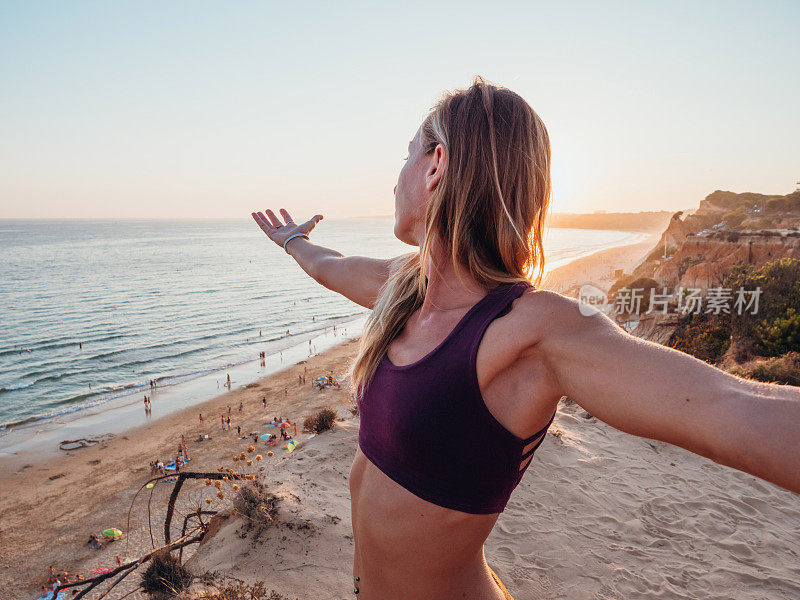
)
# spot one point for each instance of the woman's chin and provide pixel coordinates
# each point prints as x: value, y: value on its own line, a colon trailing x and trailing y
x: 401, y: 233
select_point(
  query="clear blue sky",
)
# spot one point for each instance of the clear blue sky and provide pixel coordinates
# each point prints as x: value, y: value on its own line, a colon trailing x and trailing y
x: 163, y: 109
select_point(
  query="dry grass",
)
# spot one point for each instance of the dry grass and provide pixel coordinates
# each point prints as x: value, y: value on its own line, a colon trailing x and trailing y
x: 257, y: 505
x: 320, y: 421
x: 241, y: 591
x: 784, y: 369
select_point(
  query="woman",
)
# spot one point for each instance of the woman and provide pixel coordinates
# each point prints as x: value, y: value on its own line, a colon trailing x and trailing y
x: 455, y: 338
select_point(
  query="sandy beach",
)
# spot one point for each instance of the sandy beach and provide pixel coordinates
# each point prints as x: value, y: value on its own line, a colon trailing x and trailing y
x: 598, y: 268
x: 49, y: 507
x: 599, y: 515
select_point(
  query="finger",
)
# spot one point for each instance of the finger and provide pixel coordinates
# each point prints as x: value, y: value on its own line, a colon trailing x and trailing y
x: 265, y: 225
x: 286, y: 216
x: 311, y: 223
x: 276, y: 222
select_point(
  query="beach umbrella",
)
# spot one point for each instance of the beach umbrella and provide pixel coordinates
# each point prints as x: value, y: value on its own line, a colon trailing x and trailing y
x: 264, y: 437
x: 113, y: 532
x: 284, y: 425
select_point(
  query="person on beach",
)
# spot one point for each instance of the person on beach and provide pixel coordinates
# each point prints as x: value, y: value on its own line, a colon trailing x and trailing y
x: 458, y: 327
x: 201, y: 418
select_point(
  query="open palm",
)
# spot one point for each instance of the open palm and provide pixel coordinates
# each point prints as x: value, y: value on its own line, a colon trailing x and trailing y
x: 279, y: 231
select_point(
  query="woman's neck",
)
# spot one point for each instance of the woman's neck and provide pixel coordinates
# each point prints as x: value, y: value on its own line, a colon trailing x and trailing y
x: 449, y: 287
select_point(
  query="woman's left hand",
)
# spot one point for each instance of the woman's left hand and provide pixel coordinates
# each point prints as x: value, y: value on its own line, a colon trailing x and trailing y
x: 279, y: 232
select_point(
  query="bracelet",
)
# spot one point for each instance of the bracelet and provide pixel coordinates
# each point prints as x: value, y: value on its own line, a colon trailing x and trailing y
x: 291, y: 237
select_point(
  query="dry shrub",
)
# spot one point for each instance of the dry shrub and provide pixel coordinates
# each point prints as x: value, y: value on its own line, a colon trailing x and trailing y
x: 256, y: 504
x: 320, y: 421
x: 241, y: 591
x: 165, y: 576
x: 784, y: 370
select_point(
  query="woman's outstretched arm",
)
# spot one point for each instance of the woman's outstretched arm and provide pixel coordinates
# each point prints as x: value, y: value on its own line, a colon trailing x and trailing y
x: 652, y: 391
x: 356, y: 277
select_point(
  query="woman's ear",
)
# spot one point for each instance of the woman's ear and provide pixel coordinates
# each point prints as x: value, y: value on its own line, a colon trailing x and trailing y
x: 436, y: 167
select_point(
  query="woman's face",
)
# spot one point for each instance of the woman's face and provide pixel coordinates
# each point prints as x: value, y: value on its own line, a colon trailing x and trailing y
x: 415, y: 186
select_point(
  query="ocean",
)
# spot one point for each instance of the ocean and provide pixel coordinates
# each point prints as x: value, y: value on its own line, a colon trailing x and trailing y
x: 92, y: 310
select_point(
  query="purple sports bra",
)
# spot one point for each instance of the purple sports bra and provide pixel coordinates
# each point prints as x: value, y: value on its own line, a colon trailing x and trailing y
x: 426, y: 426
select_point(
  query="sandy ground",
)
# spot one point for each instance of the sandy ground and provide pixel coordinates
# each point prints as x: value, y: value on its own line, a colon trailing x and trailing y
x: 599, y: 515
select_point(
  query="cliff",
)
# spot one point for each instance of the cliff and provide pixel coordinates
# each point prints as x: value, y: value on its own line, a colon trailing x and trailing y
x: 726, y: 229
x: 704, y: 262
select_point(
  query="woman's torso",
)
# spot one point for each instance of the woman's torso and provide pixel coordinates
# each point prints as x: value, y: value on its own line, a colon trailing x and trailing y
x: 407, y: 547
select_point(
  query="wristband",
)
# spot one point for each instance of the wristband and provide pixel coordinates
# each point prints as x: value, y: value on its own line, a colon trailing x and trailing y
x: 291, y: 237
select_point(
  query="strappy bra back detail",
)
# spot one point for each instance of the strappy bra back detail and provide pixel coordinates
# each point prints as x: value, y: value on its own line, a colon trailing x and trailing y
x: 427, y: 427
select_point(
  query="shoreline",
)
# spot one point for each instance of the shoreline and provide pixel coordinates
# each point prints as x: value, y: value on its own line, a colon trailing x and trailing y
x: 598, y: 268
x: 37, y: 440
x: 125, y: 392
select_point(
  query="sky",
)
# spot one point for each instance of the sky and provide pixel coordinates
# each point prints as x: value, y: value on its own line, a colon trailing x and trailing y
x: 212, y: 109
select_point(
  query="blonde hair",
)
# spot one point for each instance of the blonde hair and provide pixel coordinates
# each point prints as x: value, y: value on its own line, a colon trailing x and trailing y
x: 487, y: 212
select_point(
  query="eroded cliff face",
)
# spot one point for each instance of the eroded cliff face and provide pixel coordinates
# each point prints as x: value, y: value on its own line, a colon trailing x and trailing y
x: 702, y: 247
x: 703, y: 263
x: 679, y: 229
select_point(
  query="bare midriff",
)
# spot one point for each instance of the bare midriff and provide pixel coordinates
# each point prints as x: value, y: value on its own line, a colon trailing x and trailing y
x: 407, y: 547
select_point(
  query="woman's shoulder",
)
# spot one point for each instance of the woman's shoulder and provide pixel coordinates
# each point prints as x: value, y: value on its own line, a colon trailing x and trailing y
x: 539, y: 302
x: 537, y: 312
